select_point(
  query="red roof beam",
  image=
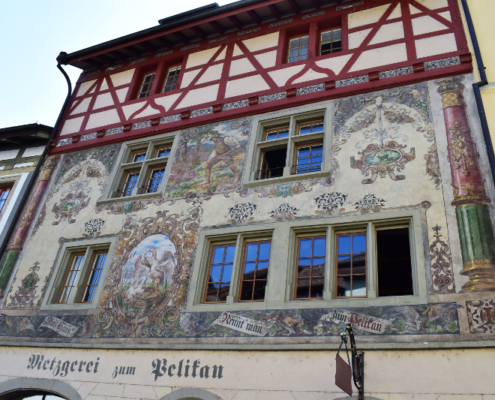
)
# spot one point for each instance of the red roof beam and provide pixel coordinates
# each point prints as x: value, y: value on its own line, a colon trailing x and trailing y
x: 215, y: 25
x: 255, y: 17
x: 235, y: 21
x: 198, y: 32
x: 183, y: 38
x: 273, y: 8
x: 294, y: 6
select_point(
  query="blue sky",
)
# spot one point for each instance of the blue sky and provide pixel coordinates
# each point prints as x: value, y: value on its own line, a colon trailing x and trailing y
x: 34, y: 32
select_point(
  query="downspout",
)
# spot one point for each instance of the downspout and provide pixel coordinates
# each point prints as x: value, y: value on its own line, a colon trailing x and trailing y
x: 478, y: 85
x: 9, y: 256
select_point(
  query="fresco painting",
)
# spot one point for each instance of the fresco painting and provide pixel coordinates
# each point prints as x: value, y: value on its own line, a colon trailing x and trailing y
x: 210, y: 157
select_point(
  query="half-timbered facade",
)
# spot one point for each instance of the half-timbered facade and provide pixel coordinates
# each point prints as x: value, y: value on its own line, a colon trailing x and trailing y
x: 226, y: 190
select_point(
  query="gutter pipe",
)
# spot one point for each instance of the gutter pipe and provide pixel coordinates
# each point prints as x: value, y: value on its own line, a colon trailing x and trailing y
x: 478, y: 85
x: 61, y: 59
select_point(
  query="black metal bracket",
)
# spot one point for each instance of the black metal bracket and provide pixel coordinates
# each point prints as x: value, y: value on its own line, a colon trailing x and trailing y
x: 357, y: 360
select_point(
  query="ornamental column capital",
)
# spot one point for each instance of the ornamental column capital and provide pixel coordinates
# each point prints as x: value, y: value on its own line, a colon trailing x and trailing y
x: 451, y: 90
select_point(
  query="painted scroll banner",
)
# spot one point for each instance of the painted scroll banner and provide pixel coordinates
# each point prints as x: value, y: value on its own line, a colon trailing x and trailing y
x: 242, y: 324
x: 59, y: 326
x: 358, y: 321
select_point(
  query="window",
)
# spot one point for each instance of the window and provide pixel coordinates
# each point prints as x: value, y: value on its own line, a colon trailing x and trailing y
x: 255, y: 271
x: 4, y: 194
x: 330, y: 41
x: 310, y: 268
x: 143, y: 167
x: 272, y: 134
x: 171, y: 79
x: 220, y: 275
x: 312, y: 127
x: 309, y: 158
x: 146, y: 85
x: 79, y: 273
x: 298, y: 48
x: 351, y: 265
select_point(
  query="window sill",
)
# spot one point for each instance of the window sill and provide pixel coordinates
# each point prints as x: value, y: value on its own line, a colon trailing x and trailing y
x: 285, y: 179
x: 69, y: 307
x: 130, y: 198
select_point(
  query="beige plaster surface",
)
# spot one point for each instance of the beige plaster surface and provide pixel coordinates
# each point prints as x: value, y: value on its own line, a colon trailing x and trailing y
x: 103, y: 100
x: 446, y: 15
x: 8, y: 154
x: 388, y: 32
x: 281, y: 76
x: 365, y: 17
x: 413, y: 10
x: 222, y: 54
x: 83, y: 88
x: 122, y: 93
x: 435, y: 45
x: 434, y: 4
x: 104, y: 85
x: 82, y: 106
x: 147, y: 111
x: 262, y: 42
x: 167, y: 101
x: 33, y: 151
x: 188, y: 77
x: 250, y: 84
x: 199, y: 96
x: 334, y: 63
x: 241, y: 66
x: 213, y: 73
x: 426, y: 24
x: 397, y: 13
x: 132, y: 108
x: 356, y: 38
x: 381, y: 56
x: 122, y: 78
x: 267, y: 59
x: 237, y: 51
x: 310, y: 75
x: 71, y: 126
x: 200, y: 58
x: 103, y: 118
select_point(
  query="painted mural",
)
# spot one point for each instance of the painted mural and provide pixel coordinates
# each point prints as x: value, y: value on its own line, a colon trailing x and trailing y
x: 210, y: 157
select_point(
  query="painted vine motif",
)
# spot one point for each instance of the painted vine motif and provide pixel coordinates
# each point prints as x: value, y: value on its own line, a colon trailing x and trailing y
x: 441, y: 264
x: 26, y: 294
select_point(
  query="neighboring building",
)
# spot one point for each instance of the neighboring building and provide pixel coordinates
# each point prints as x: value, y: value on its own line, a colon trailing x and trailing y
x: 229, y: 188
x: 20, y: 151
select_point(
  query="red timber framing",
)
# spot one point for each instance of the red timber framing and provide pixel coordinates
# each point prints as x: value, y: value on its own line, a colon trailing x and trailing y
x: 314, y: 22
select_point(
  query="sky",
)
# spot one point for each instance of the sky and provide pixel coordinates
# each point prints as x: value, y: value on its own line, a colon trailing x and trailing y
x: 34, y: 32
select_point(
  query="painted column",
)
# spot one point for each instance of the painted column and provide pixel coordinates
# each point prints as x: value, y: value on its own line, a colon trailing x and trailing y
x: 473, y: 216
x: 20, y: 235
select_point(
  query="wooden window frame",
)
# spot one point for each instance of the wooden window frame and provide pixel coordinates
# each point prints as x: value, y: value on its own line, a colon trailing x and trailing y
x: 310, y: 123
x: 254, y: 280
x: 87, y: 285
x: 81, y: 264
x: 162, y: 148
x: 366, y: 274
x: 136, y: 153
x: 297, y: 158
x: 324, y: 30
x: 296, y: 278
x: 278, y: 133
x: 299, y: 36
x: 3, y: 189
x: 176, y: 81
x: 149, y: 177
x: 212, y: 250
x: 134, y: 171
x: 140, y: 89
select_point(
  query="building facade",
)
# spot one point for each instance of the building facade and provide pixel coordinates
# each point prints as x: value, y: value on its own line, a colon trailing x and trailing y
x: 228, y: 189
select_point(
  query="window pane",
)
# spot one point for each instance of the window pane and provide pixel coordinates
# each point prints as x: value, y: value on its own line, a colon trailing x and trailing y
x: 293, y: 52
x: 259, y: 290
x: 344, y: 244
x: 303, y: 152
x: 218, y: 254
x: 229, y: 254
x: 318, y: 127
x: 343, y: 286
x: 293, y: 59
x: 326, y: 36
x: 336, y: 34
x: 215, y: 273
x: 294, y: 43
x: 302, y: 290
x: 359, y: 285
x: 227, y: 273
x: 264, y: 251
x: 358, y: 243
x: 318, y: 266
x: 317, y: 288
x: 305, y: 247
x: 319, y: 247
x: 224, y: 291
x: 211, y: 294
x: 251, y: 251
x: 303, y: 51
x: 283, y: 133
x: 304, y: 41
x: 316, y: 150
x: 249, y: 268
x: 304, y: 268
x: 262, y: 270
x: 247, y: 291
x: 305, y: 129
x: 271, y: 136
x: 344, y: 265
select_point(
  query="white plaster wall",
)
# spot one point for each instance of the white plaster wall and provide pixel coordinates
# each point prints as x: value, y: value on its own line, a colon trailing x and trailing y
x: 122, y: 93
x: 435, y: 45
x: 199, y: 96
x: 237, y: 51
x: 24, y: 165
x: 397, y: 13
x: 200, y: 58
x: 310, y: 75
x: 241, y: 66
x: 82, y: 106
x: 446, y: 15
x: 103, y: 100
x: 104, y: 85
x: 20, y: 183
x: 356, y: 38
x: 413, y: 10
x: 147, y: 111
x: 8, y: 154
x: 71, y: 126
x: 366, y: 17
x: 250, y: 84
x: 83, y: 88
x: 262, y: 42
x: 426, y: 24
x: 266, y: 375
x: 103, y: 118
x: 335, y: 63
x: 213, y: 73
x: 382, y: 56
x: 389, y: 32
x: 267, y: 59
x: 132, y: 108
x: 167, y: 101
x: 33, y: 151
x: 222, y: 54
x: 281, y: 76
x: 122, y: 78
x: 188, y: 77
x: 433, y: 4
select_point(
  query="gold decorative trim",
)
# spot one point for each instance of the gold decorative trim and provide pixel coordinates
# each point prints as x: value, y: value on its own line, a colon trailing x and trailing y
x: 481, y: 276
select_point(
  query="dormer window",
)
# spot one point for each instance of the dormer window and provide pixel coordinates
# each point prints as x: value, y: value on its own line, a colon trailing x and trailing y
x: 171, y: 79
x: 298, y: 48
x: 146, y: 85
x: 330, y: 41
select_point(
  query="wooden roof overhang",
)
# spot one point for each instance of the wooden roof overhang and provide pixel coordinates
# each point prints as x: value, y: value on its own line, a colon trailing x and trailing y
x: 207, y: 22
